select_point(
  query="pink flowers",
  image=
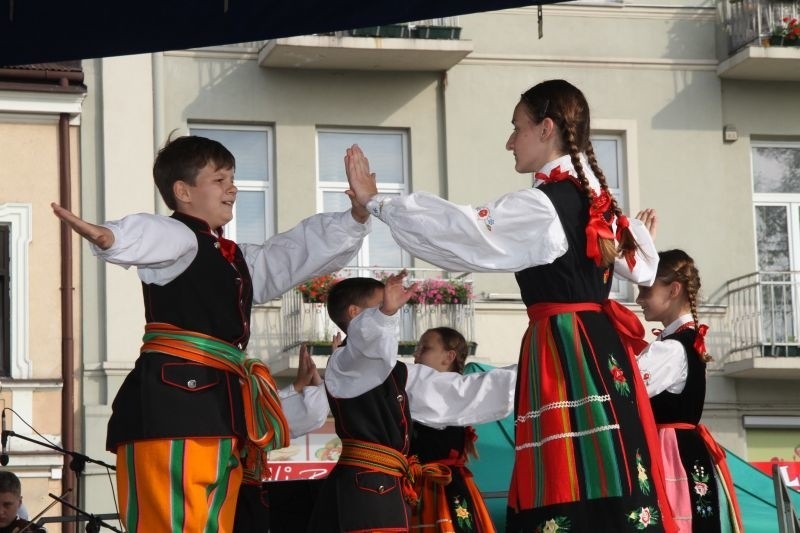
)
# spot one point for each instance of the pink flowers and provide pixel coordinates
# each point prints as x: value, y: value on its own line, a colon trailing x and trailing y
x: 442, y: 291
x: 700, y: 488
x: 645, y: 516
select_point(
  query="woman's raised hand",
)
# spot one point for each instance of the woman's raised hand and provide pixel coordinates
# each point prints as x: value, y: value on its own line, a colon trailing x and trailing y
x: 648, y: 218
x: 363, y: 185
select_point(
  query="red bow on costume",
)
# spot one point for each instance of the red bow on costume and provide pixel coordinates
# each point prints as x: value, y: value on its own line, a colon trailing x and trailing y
x: 597, y: 227
x: 555, y: 175
x: 630, y: 255
x: 226, y: 247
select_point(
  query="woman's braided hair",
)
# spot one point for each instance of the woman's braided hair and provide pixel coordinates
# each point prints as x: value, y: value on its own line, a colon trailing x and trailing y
x: 566, y: 106
x: 677, y: 265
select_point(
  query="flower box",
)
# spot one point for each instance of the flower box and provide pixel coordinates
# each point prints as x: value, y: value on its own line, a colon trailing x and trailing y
x: 387, y: 30
x: 437, y: 32
x: 403, y: 347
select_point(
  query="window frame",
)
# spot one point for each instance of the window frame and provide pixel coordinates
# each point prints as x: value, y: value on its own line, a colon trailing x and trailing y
x: 625, y: 132
x: 18, y: 216
x: 266, y: 186
x: 362, y: 258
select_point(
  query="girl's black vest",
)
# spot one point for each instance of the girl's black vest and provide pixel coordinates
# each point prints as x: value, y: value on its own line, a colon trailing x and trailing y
x: 573, y: 277
x: 686, y: 406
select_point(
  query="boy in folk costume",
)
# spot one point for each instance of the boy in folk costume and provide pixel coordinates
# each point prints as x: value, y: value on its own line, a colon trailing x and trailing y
x: 195, y: 415
x: 673, y: 367
x: 373, y: 398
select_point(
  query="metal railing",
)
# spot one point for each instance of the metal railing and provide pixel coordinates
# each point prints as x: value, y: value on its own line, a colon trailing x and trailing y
x: 788, y: 521
x: 748, y: 22
x: 763, y: 314
x: 304, y: 322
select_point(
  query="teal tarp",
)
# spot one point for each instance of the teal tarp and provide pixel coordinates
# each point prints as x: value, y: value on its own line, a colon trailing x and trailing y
x: 754, y: 489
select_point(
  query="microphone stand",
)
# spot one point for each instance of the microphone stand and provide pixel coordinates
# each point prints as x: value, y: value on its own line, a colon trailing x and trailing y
x: 94, y: 523
x: 77, y: 465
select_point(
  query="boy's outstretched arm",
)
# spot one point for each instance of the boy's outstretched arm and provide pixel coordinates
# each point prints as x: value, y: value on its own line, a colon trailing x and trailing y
x: 98, y: 235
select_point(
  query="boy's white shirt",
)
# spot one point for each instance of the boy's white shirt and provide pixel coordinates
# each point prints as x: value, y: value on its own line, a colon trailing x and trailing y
x: 436, y: 399
x: 524, y: 232
x: 162, y: 248
x: 664, y: 364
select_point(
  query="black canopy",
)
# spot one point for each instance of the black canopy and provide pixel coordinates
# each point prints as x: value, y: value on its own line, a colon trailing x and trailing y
x: 35, y: 31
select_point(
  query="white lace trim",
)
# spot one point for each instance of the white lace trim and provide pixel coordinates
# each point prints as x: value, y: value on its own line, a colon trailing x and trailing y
x: 560, y: 405
x: 567, y: 435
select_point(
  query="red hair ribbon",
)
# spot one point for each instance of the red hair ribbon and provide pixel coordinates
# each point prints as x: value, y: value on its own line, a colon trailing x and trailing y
x: 700, y: 340
x: 555, y: 175
x: 597, y: 227
x: 630, y: 255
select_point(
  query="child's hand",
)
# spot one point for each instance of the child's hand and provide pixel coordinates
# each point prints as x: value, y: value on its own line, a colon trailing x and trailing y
x: 98, y: 235
x: 395, y: 295
x: 648, y: 217
x: 306, y: 371
x: 336, y: 342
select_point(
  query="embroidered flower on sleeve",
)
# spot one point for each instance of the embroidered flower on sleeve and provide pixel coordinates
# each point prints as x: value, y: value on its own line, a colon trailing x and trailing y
x: 485, y: 215
x: 558, y: 523
x: 620, y: 382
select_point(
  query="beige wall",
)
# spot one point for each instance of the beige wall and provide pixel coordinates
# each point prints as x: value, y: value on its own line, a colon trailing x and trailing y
x: 30, y: 175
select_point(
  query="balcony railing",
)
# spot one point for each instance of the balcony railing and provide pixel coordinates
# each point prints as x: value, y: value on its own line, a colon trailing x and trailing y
x: 751, y: 22
x: 309, y: 322
x: 437, y: 28
x: 764, y: 314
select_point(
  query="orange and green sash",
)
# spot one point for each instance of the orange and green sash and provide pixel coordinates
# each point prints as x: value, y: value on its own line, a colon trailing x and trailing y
x: 267, y: 428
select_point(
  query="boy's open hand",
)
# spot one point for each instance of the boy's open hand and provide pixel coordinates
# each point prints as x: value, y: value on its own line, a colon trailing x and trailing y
x: 307, y: 373
x: 98, y: 235
x: 395, y: 295
x: 362, y: 182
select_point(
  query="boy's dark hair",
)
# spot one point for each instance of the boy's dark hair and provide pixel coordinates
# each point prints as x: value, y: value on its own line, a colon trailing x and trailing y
x: 9, y: 482
x: 347, y: 292
x: 181, y: 159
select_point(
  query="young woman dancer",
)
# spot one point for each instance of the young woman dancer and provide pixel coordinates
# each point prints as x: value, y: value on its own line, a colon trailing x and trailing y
x: 585, y: 436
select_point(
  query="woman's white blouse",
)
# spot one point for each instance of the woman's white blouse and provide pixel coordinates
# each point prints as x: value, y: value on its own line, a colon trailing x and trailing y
x: 516, y: 231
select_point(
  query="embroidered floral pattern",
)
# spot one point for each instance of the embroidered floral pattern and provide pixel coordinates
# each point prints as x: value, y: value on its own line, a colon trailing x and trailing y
x: 703, y: 501
x: 620, y: 382
x: 463, y: 516
x: 644, y: 517
x: 644, y: 481
x: 558, y: 523
x: 485, y: 215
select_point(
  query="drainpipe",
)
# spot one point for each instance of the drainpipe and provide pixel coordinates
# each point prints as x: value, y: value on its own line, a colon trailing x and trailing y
x: 67, y: 339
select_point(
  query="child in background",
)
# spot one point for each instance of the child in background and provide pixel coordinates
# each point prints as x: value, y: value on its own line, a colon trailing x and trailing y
x: 673, y: 367
x: 458, y: 506
x: 373, y: 398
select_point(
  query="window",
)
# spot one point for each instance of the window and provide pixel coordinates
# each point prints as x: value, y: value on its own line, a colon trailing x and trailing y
x: 610, y: 154
x: 5, y: 299
x: 15, y: 238
x: 388, y: 157
x: 776, y: 200
x: 252, y: 148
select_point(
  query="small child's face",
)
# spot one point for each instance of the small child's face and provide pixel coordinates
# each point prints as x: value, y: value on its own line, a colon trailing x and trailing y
x: 212, y: 196
x: 432, y: 352
x: 655, y: 301
x: 9, y: 506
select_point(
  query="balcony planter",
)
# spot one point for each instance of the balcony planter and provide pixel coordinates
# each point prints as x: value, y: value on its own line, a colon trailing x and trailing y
x: 403, y: 347
x: 437, y: 32
x: 777, y: 40
x: 388, y: 30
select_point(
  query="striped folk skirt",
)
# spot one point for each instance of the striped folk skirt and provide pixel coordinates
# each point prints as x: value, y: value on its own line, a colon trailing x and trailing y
x: 581, y: 457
